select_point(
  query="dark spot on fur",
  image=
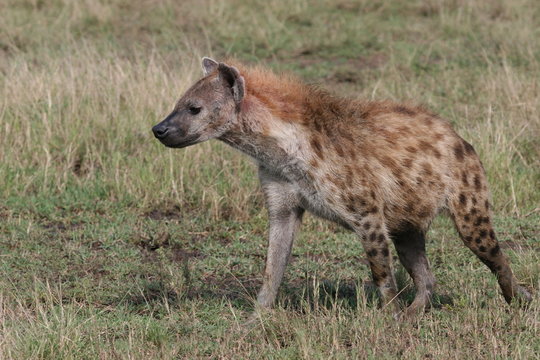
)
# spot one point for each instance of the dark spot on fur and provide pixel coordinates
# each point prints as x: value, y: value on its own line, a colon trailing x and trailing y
x: 404, y: 110
x: 474, y: 211
x: 486, y: 204
x: 468, y: 238
x: 495, y: 250
x: 372, y: 237
x: 477, y: 183
x: 468, y: 148
x: 424, y: 212
x: 425, y: 146
x: 492, y: 234
x: 367, y: 225
x: 483, y: 233
x: 381, y: 238
x: 372, y: 253
x: 467, y: 218
x: 407, y: 163
x: 464, y: 178
x: 437, y: 153
x: 473, y: 200
x: 458, y: 151
x: 478, y: 240
x: 411, y: 149
x: 482, y: 248
x: 385, y: 252
x: 373, y: 210
x: 427, y: 169
x: 480, y: 220
x: 339, y: 149
x: 462, y: 199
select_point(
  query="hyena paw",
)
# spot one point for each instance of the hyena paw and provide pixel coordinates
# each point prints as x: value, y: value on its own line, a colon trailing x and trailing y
x: 524, y: 297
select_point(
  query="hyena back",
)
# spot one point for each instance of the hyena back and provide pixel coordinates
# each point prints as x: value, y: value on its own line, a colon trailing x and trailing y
x: 380, y: 169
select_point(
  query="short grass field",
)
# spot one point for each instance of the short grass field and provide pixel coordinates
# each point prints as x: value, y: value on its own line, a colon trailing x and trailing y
x: 115, y: 247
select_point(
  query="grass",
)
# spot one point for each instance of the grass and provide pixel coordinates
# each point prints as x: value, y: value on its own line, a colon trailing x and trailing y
x: 112, y: 246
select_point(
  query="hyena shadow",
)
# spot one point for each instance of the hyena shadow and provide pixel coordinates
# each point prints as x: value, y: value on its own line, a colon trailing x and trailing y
x: 309, y: 294
x: 317, y: 293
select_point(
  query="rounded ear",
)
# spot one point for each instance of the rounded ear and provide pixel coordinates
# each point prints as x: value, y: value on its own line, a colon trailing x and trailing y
x: 209, y: 65
x: 232, y: 78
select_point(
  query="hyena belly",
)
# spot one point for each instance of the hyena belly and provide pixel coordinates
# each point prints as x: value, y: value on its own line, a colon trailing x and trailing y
x: 310, y: 193
x: 319, y: 206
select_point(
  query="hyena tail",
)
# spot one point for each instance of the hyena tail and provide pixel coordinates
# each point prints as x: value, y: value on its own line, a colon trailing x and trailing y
x: 470, y: 210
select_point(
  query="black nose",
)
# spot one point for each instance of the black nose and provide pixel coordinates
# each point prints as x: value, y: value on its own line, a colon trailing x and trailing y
x: 160, y: 131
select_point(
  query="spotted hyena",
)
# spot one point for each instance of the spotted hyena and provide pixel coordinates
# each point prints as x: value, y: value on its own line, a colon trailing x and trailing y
x: 380, y: 169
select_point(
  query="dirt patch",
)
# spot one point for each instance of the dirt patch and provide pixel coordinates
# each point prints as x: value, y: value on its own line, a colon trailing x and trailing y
x: 175, y: 252
x: 168, y: 212
x: 178, y: 254
x: 96, y: 245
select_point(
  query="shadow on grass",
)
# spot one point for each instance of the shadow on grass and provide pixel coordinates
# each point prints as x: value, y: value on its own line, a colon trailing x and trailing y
x: 299, y: 296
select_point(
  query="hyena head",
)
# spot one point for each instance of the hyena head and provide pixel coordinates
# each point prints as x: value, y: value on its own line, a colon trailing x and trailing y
x: 207, y: 110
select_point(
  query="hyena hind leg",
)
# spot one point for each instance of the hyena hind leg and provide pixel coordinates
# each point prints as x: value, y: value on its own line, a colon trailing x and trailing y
x: 411, y: 249
x: 476, y: 231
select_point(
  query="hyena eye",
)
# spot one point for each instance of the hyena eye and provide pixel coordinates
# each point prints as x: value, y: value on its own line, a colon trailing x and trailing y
x: 194, y: 110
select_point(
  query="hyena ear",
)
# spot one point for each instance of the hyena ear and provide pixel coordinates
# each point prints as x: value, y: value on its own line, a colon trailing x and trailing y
x: 209, y: 65
x: 232, y: 78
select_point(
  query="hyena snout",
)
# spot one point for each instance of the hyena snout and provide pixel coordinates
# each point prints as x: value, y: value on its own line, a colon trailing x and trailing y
x: 174, y: 133
x: 161, y: 131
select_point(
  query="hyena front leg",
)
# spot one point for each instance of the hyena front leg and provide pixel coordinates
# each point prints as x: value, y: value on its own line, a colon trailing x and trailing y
x: 285, y: 217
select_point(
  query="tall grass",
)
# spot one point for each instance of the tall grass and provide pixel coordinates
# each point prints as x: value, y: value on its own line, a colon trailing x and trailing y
x: 78, y: 100
x: 112, y: 246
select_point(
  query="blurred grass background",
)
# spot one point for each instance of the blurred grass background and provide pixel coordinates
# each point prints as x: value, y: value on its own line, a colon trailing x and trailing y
x: 112, y: 246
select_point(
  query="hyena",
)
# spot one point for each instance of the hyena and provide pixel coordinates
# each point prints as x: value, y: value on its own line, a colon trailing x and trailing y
x: 380, y: 169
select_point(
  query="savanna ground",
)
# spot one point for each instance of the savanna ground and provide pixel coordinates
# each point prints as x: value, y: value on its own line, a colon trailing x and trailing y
x: 112, y: 246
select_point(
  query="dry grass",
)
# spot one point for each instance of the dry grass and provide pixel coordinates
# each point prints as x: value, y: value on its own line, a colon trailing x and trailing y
x: 84, y: 188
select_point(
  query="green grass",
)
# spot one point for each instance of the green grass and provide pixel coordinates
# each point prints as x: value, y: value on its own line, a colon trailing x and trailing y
x: 112, y: 246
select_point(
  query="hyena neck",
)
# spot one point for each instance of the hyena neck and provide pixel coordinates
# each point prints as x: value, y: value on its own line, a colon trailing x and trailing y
x: 275, y: 143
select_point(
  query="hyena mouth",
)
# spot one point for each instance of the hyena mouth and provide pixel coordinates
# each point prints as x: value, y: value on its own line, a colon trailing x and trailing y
x: 174, y: 143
